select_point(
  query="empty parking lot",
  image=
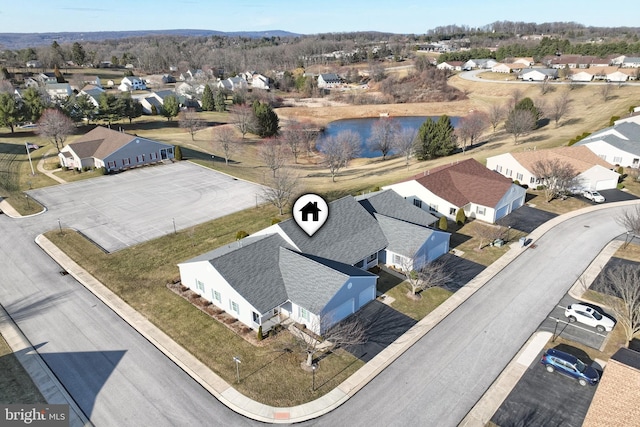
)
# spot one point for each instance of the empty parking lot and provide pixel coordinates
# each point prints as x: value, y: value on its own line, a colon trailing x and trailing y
x: 116, y: 211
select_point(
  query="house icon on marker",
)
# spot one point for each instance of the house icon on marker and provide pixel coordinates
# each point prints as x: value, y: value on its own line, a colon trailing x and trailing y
x: 310, y: 208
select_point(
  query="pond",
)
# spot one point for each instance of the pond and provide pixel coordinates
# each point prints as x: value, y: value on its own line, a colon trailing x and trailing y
x: 363, y: 128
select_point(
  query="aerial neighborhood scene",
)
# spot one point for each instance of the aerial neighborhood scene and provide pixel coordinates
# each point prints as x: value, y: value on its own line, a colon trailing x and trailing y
x: 308, y: 215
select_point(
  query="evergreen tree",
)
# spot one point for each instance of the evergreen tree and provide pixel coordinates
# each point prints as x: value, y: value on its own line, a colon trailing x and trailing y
x: 170, y: 107
x: 77, y: 53
x: 110, y: 107
x: 207, y: 99
x: 33, y: 105
x: 9, y: 111
x: 445, y: 136
x: 177, y: 153
x: 219, y: 102
x: 528, y: 105
x: 442, y: 223
x: 435, y: 139
x: 266, y: 120
x: 461, y: 218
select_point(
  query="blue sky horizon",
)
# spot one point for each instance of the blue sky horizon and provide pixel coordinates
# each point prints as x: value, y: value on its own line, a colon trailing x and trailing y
x: 302, y: 17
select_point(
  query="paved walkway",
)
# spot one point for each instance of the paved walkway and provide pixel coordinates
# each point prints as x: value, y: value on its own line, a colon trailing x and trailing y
x: 49, y: 173
x: 224, y: 392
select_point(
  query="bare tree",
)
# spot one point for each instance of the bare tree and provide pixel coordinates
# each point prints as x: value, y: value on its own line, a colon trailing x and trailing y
x: 495, y: 115
x: 515, y: 98
x: 557, y: 176
x: 519, y: 123
x: 349, y: 331
x: 622, y: 284
x: 294, y: 137
x: 224, y: 139
x: 338, y: 150
x: 559, y: 108
x: 471, y: 127
x: 489, y: 233
x: 190, y: 121
x: 403, y: 144
x: 630, y: 220
x: 382, y: 136
x: 545, y: 87
x: 422, y: 276
x: 242, y: 118
x: 280, y: 189
x: 55, y: 126
x: 605, y: 92
x: 273, y: 155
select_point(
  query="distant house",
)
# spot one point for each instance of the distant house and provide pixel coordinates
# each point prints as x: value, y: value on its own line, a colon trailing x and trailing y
x: 527, y: 62
x: 92, y: 80
x: 329, y: 80
x: 615, y: 402
x: 232, y: 84
x: 617, y: 76
x: 93, y: 92
x: 33, y: 64
x: 479, y: 64
x: 31, y: 82
x: 630, y: 62
x: 58, y: 91
x: 130, y: 83
x: 450, y: 65
x: 618, y: 144
x: 258, y: 81
x: 280, y: 272
x: 45, y: 78
x: 113, y: 150
x: 506, y: 68
x: 593, y: 173
x: 539, y: 74
x: 580, y: 75
x: 468, y: 185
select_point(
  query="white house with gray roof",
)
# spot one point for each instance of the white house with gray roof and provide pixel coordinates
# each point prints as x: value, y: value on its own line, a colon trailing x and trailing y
x: 320, y: 280
x: 618, y: 144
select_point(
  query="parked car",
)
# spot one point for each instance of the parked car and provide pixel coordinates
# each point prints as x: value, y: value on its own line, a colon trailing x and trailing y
x: 589, y: 316
x: 594, y: 196
x: 569, y: 365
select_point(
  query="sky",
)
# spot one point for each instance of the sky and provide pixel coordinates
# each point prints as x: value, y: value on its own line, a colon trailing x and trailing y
x: 300, y: 16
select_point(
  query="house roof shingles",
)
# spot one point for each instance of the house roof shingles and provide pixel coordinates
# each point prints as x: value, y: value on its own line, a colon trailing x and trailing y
x: 391, y: 204
x: 349, y: 235
x: 465, y: 182
x: 404, y: 238
x: 629, y: 143
x: 580, y: 158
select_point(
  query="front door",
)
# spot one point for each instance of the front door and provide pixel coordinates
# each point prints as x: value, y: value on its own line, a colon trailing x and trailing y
x: 163, y: 154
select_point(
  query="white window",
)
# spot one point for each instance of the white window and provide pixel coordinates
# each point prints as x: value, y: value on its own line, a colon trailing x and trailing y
x: 216, y: 295
x: 617, y: 160
x: 452, y: 211
x: 519, y: 176
x: 397, y: 259
x: 507, y: 172
x: 256, y: 318
x: 532, y: 180
x: 235, y: 307
x: 499, y: 169
x: 417, y: 203
x: 602, y: 156
x: 480, y: 210
x: 199, y: 285
x: 304, y: 314
x: 126, y: 162
x: 433, y: 208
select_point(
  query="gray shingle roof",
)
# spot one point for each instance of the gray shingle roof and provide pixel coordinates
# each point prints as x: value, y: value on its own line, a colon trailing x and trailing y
x: 349, y: 235
x: 250, y: 266
x: 313, y: 281
x: 391, y: 204
x: 404, y: 238
x: 630, y: 131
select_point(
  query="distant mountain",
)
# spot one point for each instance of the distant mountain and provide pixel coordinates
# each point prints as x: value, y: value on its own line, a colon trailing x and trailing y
x: 23, y: 40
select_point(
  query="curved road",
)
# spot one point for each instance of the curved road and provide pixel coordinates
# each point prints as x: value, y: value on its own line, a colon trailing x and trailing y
x: 119, y: 379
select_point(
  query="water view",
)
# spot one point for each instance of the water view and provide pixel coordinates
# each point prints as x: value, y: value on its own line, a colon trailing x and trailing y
x: 363, y: 128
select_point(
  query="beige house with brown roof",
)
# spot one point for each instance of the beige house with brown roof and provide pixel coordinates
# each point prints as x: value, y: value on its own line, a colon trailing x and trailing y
x: 468, y: 185
x: 617, y: 399
x: 113, y: 150
x: 593, y: 172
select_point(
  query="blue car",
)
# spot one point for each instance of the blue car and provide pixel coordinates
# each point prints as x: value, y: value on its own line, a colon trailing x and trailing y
x: 571, y: 366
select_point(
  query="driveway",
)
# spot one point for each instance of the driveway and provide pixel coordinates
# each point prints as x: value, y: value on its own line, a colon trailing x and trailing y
x: 547, y: 399
x: 526, y: 218
x: 116, y: 211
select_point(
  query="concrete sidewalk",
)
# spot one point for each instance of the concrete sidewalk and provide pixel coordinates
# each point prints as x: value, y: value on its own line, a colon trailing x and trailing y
x: 257, y: 411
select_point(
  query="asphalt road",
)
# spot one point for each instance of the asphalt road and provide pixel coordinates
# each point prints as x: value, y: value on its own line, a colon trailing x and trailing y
x: 442, y: 376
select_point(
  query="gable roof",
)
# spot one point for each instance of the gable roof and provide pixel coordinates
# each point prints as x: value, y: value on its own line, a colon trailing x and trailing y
x: 251, y: 267
x: 391, y: 204
x: 330, y: 77
x: 404, y: 238
x: 101, y: 142
x: 580, y: 158
x: 312, y: 281
x: 349, y: 235
x: 629, y: 142
x: 465, y: 182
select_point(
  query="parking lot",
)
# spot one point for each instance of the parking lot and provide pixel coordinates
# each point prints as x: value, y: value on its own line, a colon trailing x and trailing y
x: 559, y: 325
x: 116, y: 211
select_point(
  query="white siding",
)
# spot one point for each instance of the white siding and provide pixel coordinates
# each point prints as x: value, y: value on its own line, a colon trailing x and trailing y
x: 607, y: 152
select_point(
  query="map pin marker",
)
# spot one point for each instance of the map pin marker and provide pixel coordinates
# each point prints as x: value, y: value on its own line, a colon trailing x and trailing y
x: 310, y: 212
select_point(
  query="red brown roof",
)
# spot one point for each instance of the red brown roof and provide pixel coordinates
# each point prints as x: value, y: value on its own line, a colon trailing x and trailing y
x: 100, y: 142
x: 465, y: 182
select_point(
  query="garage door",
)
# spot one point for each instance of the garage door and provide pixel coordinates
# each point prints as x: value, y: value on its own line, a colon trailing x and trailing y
x: 503, y: 211
x: 367, y: 295
x: 516, y: 204
x: 345, y: 309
